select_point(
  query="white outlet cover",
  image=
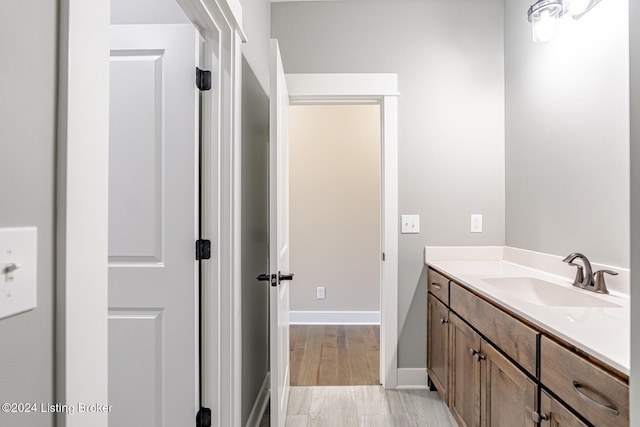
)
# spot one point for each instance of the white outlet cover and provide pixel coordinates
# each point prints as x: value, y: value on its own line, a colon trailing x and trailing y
x: 476, y: 223
x: 18, y: 270
x: 410, y: 224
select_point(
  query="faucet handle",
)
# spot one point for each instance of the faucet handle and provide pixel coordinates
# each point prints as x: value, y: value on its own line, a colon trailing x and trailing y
x: 600, y: 286
x: 579, y: 274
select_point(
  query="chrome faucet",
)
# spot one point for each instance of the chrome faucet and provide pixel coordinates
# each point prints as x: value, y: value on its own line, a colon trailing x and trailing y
x: 584, y: 276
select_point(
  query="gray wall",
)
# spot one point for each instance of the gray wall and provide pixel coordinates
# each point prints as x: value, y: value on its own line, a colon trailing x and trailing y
x: 567, y: 135
x: 256, y: 22
x: 27, y: 146
x: 449, y: 58
x: 147, y: 12
x: 634, y: 40
x: 255, y: 238
x: 334, y: 218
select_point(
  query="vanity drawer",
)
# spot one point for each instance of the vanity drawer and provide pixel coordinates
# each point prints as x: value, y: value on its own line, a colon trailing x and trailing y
x: 600, y: 397
x: 508, y: 333
x: 438, y: 285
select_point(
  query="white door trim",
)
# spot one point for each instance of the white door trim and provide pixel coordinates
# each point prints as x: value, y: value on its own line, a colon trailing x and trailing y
x: 82, y: 206
x: 381, y: 89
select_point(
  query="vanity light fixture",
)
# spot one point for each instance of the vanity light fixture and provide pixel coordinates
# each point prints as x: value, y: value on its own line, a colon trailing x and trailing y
x: 544, y: 15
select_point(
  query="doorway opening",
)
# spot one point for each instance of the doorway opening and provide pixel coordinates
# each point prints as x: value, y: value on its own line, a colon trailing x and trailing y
x: 335, y: 234
x: 379, y: 90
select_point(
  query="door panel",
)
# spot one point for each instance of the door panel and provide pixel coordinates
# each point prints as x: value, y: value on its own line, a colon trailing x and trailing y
x: 464, y: 384
x: 508, y: 396
x: 438, y: 345
x: 136, y: 184
x: 153, y: 299
x: 279, y: 238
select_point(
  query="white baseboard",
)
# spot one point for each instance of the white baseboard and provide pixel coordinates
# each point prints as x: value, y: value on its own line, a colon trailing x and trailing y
x: 412, y: 378
x: 260, y: 405
x: 334, y: 317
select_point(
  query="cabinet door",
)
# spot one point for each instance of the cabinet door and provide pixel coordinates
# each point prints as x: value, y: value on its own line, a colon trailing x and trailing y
x: 554, y: 414
x: 464, y: 383
x: 507, y: 396
x: 438, y: 345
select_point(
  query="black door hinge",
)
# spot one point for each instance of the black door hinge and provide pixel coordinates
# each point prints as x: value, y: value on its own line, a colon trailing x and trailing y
x: 203, y: 79
x: 203, y: 249
x: 203, y: 419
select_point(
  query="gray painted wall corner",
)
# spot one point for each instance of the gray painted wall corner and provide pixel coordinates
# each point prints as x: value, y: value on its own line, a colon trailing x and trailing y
x: 27, y: 152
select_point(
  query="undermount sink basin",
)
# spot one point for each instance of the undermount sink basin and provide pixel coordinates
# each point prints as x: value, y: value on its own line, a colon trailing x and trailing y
x: 541, y: 292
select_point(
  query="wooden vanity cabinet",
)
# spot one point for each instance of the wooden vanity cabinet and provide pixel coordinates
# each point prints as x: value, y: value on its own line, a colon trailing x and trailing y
x: 486, y: 389
x: 494, y: 364
x: 438, y: 345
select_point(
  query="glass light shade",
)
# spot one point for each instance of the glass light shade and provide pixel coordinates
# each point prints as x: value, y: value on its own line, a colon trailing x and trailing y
x: 544, y: 26
x: 544, y: 15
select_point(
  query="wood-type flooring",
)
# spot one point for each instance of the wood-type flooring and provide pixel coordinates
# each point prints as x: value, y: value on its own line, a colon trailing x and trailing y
x: 334, y: 355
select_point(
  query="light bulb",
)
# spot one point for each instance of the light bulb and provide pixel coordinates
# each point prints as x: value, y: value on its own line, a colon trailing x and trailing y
x: 544, y: 26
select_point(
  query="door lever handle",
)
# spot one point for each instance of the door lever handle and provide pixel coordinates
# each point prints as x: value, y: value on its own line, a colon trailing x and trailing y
x: 284, y: 277
x: 267, y: 278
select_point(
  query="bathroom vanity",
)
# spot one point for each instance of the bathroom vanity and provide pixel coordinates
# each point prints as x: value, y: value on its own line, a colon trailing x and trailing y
x: 512, y: 345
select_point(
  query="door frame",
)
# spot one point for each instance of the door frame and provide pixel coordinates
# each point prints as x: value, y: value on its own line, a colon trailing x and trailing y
x: 82, y: 152
x: 380, y: 89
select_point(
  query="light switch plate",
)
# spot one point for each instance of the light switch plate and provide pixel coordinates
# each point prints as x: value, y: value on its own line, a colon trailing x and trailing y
x: 476, y: 223
x: 410, y: 224
x: 18, y: 270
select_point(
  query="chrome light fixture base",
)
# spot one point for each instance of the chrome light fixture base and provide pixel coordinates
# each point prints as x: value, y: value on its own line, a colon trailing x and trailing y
x: 555, y: 8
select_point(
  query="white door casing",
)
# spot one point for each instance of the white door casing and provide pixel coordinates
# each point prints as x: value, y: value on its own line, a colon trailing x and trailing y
x: 382, y: 89
x: 153, y: 220
x: 81, y: 204
x: 279, y: 238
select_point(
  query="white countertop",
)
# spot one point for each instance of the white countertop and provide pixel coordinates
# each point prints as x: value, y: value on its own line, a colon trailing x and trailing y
x: 603, y: 332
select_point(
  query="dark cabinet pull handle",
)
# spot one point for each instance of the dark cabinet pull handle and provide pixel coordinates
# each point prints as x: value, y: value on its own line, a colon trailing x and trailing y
x: 443, y: 321
x: 475, y: 353
x: 539, y: 417
x: 607, y: 407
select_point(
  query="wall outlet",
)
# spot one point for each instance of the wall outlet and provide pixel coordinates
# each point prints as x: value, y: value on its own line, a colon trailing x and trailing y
x: 410, y: 224
x: 320, y: 292
x: 476, y: 223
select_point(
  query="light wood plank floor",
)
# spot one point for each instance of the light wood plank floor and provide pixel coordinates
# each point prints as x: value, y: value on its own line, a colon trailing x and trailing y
x: 366, y: 406
x: 335, y: 355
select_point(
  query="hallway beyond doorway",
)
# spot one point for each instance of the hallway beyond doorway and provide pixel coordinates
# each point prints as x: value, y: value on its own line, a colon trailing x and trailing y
x: 335, y: 355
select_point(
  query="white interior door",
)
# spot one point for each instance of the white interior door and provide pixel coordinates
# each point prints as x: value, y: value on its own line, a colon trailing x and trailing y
x: 279, y: 239
x: 153, y: 298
